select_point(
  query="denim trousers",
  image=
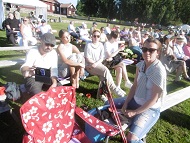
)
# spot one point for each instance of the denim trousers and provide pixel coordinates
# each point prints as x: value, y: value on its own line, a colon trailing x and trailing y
x: 141, y: 123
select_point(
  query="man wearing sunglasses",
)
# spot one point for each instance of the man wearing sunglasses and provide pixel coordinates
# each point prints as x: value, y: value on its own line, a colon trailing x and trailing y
x: 43, y: 56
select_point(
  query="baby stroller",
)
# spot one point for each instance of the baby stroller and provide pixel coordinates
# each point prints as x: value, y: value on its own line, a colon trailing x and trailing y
x: 49, y: 117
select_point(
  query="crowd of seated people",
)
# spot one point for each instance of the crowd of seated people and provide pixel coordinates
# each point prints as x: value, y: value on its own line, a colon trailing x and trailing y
x: 24, y: 31
x: 170, y: 62
x: 178, y: 48
x: 69, y: 62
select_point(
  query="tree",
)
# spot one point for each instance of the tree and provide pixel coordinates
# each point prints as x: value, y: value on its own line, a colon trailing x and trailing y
x: 147, y: 11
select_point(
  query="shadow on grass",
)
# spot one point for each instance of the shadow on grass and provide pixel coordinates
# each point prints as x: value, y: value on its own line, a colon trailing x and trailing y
x: 172, y: 86
x: 176, y: 118
x: 5, y: 42
x: 10, y: 130
x: 12, y: 55
x: 11, y: 74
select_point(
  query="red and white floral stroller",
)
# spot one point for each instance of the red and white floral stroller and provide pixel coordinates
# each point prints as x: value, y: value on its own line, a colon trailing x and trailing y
x: 49, y: 117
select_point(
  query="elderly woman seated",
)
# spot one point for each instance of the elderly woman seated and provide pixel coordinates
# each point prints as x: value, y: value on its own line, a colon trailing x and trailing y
x: 25, y: 36
x: 84, y: 35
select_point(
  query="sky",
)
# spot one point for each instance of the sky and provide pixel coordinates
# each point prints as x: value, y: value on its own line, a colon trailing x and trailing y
x: 74, y: 2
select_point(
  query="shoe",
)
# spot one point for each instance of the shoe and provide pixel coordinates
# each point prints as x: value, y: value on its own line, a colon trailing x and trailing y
x: 104, y: 98
x: 118, y: 92
x: 121, y: 90
x: 187, y: 78
x: 128, y: 84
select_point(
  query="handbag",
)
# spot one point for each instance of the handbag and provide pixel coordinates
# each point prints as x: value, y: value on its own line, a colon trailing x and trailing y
x: 115, y: 60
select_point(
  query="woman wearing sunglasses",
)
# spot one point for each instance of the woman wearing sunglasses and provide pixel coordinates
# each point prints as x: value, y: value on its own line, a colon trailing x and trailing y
x: 111, y: 50
x: 142, y: 105
x: 71, y: 62
x: 94, y: 55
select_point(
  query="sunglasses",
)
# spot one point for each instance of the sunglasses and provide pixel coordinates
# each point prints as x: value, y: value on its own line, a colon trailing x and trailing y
x: 145, y: 49
x: 47, y: 44
x: 98, y: 36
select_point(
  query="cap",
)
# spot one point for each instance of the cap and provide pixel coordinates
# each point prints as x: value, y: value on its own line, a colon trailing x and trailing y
x: 180, y: 38
x: 48, y: 38
x: 94, y: 23
x: 43, y: 21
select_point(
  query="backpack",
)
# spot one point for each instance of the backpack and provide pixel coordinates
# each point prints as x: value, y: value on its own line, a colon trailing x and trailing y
x: 12, y: 91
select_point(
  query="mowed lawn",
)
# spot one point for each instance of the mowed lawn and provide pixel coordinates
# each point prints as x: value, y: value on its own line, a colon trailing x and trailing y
x: 172, y: 127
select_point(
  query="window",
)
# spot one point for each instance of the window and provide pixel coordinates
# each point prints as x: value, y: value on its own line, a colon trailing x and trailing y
x: 53, y: 8
x: 57, y: 8
x: 48, y: 7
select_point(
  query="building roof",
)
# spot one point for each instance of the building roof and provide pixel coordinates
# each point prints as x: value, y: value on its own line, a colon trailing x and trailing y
x: 66, y: 5
x: 51, y: 1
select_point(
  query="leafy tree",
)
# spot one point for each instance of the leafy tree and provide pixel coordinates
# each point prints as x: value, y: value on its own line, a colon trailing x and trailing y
x: 185, y: 11
x: 88, y: 7
x: 147, y: 11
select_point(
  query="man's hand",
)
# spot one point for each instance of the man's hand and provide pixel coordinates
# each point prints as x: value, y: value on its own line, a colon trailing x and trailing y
x: 29, y: 72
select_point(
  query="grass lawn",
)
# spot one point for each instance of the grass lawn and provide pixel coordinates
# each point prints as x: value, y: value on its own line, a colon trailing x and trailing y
x: 172, y: 127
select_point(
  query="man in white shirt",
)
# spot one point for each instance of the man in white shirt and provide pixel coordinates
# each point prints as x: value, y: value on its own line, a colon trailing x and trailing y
x: 43, y: 56
x: 71, y: 30
x: 107, y: 29
x: 44, y: 28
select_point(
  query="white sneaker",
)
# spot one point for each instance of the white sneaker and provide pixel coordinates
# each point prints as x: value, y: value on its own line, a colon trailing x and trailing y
x: 128, y: 84
x: 104, y: 98
x: 119, y: 92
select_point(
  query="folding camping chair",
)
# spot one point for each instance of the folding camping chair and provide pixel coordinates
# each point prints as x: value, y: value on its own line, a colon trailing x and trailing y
x: 49, y: 117
x: 96, y: 136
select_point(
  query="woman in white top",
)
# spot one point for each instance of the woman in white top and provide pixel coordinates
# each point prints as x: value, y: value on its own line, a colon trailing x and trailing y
x: 26, y: 35
x: 143, y: 103
x: 103, y: 37
x: 71, y: 62
x: 111, y: 50
x: 94, y: 56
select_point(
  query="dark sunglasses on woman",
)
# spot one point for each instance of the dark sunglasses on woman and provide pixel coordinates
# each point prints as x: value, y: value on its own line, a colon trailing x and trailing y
x: 145, y: 49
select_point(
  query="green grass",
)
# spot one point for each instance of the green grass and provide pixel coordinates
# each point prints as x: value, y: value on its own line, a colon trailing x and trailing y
x: 172, y: 127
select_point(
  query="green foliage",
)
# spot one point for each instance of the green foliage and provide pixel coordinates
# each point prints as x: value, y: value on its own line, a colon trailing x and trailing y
x: 147, y: 11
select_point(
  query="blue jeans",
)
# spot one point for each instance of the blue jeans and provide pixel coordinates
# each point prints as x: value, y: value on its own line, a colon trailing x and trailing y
x: 141, y: 123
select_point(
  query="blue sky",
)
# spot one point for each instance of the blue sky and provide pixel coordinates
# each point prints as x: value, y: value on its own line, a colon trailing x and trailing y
x: 74, y: 2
